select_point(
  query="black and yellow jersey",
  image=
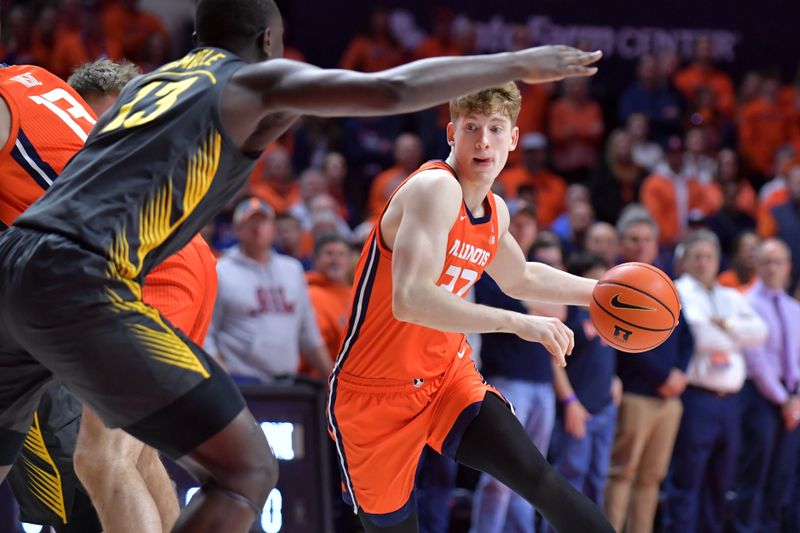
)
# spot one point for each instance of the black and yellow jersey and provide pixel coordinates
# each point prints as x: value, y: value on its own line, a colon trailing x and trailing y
x: 155, y: 168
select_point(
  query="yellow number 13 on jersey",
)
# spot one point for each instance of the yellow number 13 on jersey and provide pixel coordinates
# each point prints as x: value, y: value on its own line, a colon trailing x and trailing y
x: 166, y: 94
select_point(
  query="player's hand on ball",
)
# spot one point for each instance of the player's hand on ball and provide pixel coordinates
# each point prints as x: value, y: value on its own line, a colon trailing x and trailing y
x: 553, y: 63
x: 550, y: 332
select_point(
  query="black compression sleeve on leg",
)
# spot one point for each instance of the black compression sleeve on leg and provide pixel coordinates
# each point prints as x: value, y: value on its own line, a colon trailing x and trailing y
x: 496, y: 443
x: 409, y: 525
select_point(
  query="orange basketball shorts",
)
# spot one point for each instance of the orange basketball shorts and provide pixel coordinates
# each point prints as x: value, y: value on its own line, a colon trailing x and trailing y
x: 381, y: 427
x: 183, y: 289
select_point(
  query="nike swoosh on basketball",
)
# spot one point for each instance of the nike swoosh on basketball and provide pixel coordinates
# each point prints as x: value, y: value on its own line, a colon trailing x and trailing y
x: 622, y: 305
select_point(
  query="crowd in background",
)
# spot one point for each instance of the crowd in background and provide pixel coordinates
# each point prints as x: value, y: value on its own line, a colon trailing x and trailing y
x: 688, y: 169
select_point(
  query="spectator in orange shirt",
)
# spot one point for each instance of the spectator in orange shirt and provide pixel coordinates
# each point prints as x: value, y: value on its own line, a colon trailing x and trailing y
x: 548, y: 188
x: 616, y: 183
x: 407, y: 159
x: 376, y: 51
x: 763, y: 127
x: 276, y: 184
x: 576, y: 128
x: 124, y: 22
x: 329, y: 288
x: 672, y: 197
x: 742, y: 272
x: 701, y: 71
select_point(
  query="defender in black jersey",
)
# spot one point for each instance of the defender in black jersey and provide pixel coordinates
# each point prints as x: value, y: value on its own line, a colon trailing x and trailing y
x: 171, y: 153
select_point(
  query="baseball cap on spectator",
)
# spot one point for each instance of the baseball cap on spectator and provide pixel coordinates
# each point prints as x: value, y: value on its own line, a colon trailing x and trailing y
x: 517, y: 206
x: 533, y: 141
x: 249, y: 207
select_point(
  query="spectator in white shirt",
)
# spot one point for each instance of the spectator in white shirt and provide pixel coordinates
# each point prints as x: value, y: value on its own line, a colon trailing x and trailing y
x: 263, y: 316
x: 707, y: 447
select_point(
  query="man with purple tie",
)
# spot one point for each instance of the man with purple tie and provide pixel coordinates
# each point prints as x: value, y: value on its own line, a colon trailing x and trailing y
x: 770, y: 399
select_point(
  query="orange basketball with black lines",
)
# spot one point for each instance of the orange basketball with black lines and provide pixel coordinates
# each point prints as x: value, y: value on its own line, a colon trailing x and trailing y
x: 635, y: 307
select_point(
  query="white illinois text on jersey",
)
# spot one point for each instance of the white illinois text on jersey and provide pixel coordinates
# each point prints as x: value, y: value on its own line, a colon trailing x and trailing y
x: 470, y: 253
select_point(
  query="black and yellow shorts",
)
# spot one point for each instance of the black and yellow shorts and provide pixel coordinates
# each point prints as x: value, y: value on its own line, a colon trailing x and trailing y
x: 43, y: 478
x: 65, y: 313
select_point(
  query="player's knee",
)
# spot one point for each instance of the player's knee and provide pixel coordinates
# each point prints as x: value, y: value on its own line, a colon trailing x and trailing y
x: 92, y: 465
x: 260, y: 473
x: 105, y: 457
x: 253, y: 474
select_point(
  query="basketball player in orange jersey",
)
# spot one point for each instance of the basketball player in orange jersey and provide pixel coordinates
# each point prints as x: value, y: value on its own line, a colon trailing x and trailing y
x: 126, y: 480
x: 404, y: 378
x: 164, y: 160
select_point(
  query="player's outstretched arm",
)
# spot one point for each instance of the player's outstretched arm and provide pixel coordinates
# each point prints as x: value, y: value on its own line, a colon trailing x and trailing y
x: 297, y: 88
x: 430, y: 205
x: 533, y: 281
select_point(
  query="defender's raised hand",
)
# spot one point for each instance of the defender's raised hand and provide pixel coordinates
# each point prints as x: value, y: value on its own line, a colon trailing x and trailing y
x: 553, y: 63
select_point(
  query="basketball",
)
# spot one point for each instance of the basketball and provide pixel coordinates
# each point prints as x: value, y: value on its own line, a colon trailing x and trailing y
x: 634, y: 307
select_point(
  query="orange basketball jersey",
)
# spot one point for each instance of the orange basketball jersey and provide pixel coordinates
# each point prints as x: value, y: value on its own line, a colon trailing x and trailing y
x: 376, y: 344
x: 49, y: 123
